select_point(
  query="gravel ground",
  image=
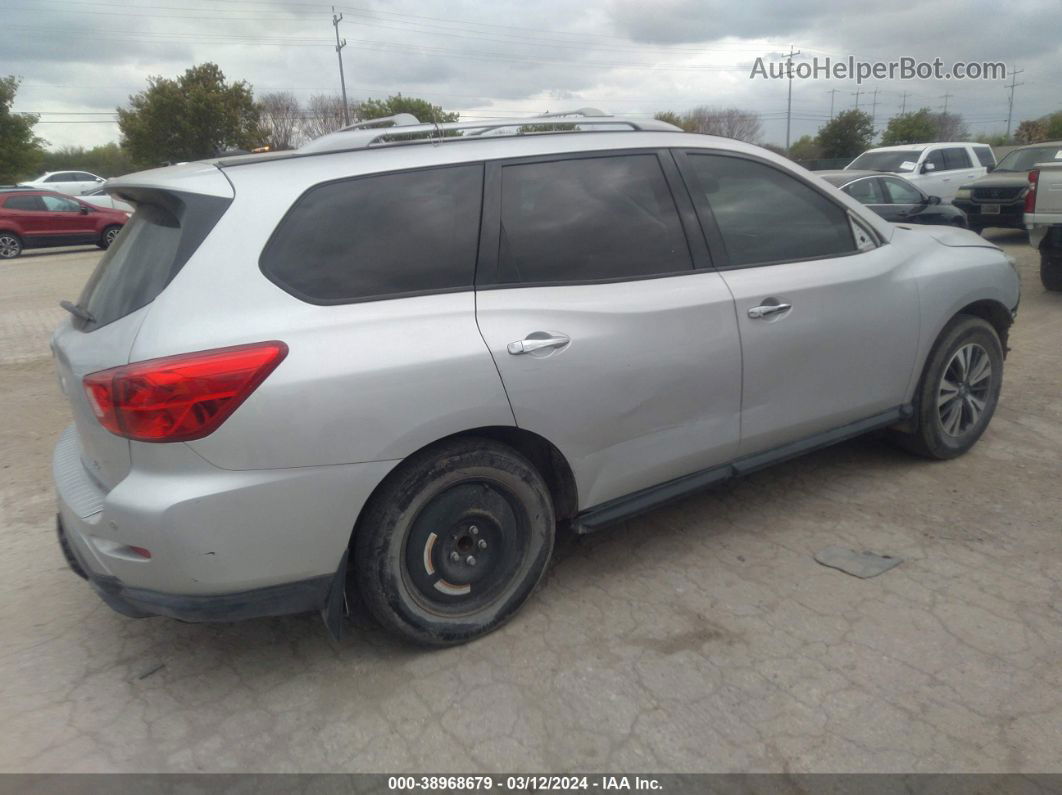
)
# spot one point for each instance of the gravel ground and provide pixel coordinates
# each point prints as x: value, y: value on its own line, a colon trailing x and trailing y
x: 701, y: 637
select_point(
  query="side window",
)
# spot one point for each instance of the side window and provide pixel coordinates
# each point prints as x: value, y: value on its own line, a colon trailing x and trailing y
x: 586, y: 219
x: 83, y: 176
x: 60, y: 177
x: 766, y: 215
x: 985, y: 156
x: 25, y: 203
x: 56, y: 204
x: 901, y: 192
x: 378, y: 236
x: 936, y: 158
x: 866, y: 191
x: 957, y: 157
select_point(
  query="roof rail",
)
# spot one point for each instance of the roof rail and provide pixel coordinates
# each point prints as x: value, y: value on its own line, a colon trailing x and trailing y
x: 408, y: 130
x: 397, y: 120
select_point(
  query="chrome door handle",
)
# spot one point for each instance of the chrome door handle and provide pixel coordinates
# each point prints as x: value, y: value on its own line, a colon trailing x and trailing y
x: 532, y: 343
x: 764, y: 310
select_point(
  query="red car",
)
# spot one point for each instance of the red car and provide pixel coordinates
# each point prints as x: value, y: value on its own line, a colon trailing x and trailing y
x: 37, y: 218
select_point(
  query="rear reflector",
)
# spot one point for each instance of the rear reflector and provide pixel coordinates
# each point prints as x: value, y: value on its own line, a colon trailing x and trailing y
x: 180, y: 398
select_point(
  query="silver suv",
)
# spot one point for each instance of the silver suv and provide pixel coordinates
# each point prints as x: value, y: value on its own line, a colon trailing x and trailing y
x: 391, y: 363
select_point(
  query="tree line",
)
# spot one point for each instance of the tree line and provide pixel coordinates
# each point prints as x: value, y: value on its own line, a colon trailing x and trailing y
x: 201, y: 113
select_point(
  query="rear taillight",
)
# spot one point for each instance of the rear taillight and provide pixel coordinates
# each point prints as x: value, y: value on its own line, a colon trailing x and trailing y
x: 180, y: 398
x: 1030, y: 193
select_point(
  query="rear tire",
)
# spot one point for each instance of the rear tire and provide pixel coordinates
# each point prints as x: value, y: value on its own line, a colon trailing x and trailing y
x: 1051, y: 269
x: 10, y: 245
x: 454, y: 542
x: 107, y: 236
x: 958, y: 391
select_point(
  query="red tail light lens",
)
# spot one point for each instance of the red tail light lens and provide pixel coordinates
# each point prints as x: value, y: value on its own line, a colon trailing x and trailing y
x: 1030, y: 194
x: 180, y: 398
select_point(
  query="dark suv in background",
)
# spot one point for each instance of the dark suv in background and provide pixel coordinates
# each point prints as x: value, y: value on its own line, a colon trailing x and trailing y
x: 38, y: 218
x: 998, y: 199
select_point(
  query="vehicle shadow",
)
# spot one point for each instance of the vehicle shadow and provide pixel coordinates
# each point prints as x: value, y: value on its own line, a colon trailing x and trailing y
x: 30, y: 253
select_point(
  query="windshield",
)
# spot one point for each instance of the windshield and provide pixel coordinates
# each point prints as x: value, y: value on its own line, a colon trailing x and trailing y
x: 1026, y: 159
x: 899, y: 161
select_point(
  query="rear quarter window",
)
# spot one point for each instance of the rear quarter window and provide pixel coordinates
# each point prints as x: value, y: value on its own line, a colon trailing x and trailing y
x: 379, y: 236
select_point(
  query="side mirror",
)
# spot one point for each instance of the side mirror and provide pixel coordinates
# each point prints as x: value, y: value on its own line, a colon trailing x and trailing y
x: 100, y: 179
x: 927, y: 167
x: 83, y: 209
x: 990, y: 169
x: 932, y: 200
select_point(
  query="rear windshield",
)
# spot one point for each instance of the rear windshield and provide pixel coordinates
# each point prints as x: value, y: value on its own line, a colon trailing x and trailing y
x: 162, y: 234
x: 899, y: 162
x: 1026, y: 159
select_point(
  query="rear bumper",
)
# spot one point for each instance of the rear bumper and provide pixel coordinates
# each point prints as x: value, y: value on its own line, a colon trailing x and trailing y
x: 304, y: 596
x: 1010, y: 215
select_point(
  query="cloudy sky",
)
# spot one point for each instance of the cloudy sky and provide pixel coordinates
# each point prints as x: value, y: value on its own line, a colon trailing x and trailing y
x: 79, y: 59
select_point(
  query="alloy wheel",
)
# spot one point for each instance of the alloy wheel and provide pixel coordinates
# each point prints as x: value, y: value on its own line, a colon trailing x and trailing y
x: 964, y: 389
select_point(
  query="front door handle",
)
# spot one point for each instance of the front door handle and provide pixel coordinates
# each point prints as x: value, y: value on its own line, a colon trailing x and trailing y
x: 766, y: 310
x: 535, y: 342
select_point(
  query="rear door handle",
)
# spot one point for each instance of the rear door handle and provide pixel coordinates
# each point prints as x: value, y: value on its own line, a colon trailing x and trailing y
x: 765, y: 310
x: 536, y: 343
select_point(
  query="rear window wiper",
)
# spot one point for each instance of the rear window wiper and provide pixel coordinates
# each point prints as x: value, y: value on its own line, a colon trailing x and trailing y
x: 77, y: 311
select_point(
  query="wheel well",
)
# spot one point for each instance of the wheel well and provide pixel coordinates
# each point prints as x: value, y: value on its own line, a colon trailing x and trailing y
x: 547, y: 459
x: 997, y: 315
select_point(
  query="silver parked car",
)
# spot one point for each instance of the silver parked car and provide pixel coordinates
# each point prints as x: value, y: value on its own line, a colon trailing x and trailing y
x: 392, y: 362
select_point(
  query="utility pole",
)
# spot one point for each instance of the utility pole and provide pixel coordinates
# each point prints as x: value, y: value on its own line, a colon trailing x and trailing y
x: 831, y: 92
x: 903, y: 105
x: 946, y: 97
x: 339, y: 52
x: 874, y: 108
x: 789, y: 102
x: 857, y: 92
x: 1010, y: 105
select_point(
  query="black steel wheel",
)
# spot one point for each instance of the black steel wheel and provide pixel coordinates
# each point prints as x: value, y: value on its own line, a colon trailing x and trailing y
x: 454, y: 542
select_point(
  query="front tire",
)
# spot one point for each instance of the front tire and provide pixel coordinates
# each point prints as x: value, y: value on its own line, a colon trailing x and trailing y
x: 454, y: 542
x: 959, y: 390
x: 1051, y: 269
x: 108, y: 236
x: 10, y: 245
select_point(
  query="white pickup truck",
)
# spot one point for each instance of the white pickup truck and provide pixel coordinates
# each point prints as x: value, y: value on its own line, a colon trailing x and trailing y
x: 1043, y: 219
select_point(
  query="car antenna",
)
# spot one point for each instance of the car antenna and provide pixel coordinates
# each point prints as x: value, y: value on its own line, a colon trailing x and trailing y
x: 77, y: 311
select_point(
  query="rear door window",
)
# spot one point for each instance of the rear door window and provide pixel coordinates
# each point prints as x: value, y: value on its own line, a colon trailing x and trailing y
x: 956, y: 157
x: 985, y: 156
x: 379, y: 236
x: 866, y: 191
x: 24, y: 203
x: 593, y: 219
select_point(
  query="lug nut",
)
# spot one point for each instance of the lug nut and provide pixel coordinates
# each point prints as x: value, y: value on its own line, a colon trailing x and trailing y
x: 482, y: 543
x: 454, y: 556
x: 474, y: 530
x: 471, y: 561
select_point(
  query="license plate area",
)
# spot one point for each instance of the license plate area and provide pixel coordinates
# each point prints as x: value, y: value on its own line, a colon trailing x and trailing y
x: 990, y: 209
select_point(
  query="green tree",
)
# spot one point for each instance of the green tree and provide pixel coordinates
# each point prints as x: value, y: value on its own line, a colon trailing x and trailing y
x: 1053, y: 126
x: 20, y: 149
x: 421, y: 108
x: 189, y: 118
x: 673, y: 118
x: 107, y: 160
x: 848, y: 134
x: 910, y: 128
x: 805, y: 148
x: 1031, y: 131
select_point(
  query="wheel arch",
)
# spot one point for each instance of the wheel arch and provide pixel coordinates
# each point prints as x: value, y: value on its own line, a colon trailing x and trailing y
x: 543, y: 454
x: 997, y: 316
